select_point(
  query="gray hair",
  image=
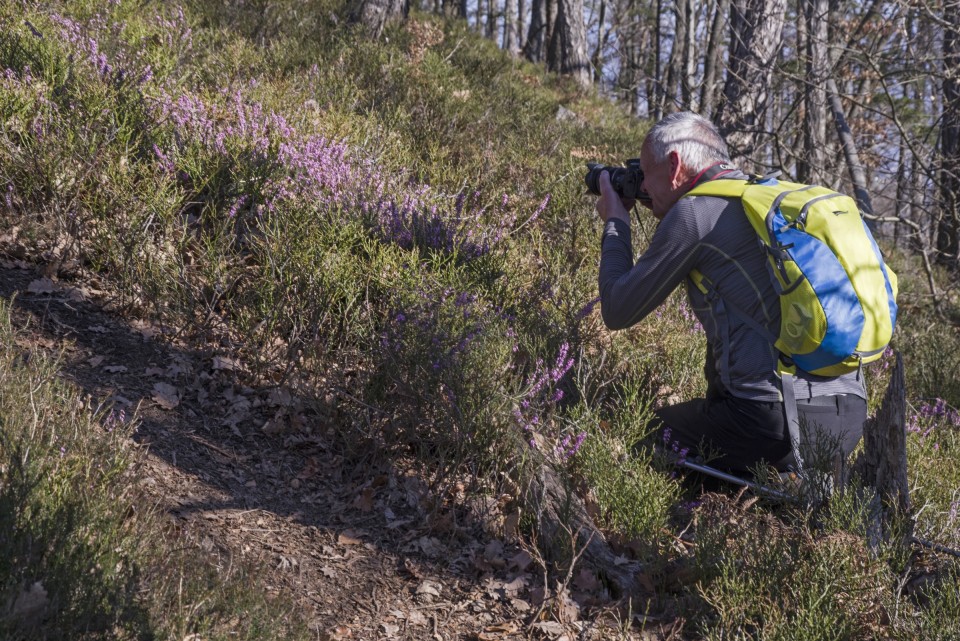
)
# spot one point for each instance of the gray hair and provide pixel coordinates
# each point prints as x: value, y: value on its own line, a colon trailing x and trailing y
x: 695, y: 139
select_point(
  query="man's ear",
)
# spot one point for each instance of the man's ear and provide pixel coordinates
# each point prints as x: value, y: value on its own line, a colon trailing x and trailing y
x: 678, y: 174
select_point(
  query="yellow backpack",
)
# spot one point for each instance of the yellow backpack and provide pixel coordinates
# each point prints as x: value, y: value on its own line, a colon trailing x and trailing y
x: 837, y: 296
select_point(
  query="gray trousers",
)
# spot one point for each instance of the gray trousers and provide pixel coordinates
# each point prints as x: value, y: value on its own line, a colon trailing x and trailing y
x: 736, y: 434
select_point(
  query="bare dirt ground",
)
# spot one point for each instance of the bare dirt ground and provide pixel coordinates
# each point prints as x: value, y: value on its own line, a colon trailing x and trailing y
x: 257, y: 475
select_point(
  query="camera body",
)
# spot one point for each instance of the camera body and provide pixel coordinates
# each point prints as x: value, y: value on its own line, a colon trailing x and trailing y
x: 626, y: 180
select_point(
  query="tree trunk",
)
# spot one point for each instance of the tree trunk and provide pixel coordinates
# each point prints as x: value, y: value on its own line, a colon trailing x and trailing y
x: 536, y: 45
x: 658, y: 92
x: 755, y: 30
x: 672, y: 93
x: 490, y: 21
x: 375, y: 15
x: 511, y: 38
x: 712, y: 60
x: 521, y: 31
x: 948, y: 226
x: 689, y: 56
x: 597, y: 57
x: 812, y: 161
x: 883, y: 463
x: 633, y: 35
x: 567, y: 51
x: 562, y: 516
x: 455, y: 8
x: 850, y: 154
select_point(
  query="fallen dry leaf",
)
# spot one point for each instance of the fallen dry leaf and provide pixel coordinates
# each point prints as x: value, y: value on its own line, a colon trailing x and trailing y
x: 496, y: 631
x: 41, y: 286
x: 586, y: 581
x: 521, y: 561
x: 224, y: 363
x: 551, y: 628
x: 429, y: 587
x: 349, y: 537
x: 166, y: 395
x: 115, y: 369
x: 364, y: 500
x: 338, y: 633
x: 417, y: 618
x: 93, y: 361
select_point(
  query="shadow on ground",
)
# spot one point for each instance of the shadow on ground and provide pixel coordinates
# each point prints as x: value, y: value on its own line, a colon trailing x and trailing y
x: 255, y: 473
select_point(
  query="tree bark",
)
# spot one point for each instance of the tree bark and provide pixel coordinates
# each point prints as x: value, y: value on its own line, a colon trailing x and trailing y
x: 689, y: 56
x: 857, y: 176
x: 491, y: 25
x: 658, y: 92
x: 511, y: 33
x: 712, y: 60
x: 755, y: 31
x: 672, y: 92
x: 521, y: 30
x: 567, y: 51
x: 597, y: 57
x: 883, y: 462
x: 948, y: 226
x: 811, y: 164
x: 375, y: 15
x: 535, y: 49
x: 561, y: 515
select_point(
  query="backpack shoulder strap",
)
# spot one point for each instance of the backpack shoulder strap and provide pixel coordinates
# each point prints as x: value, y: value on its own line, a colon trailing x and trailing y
x: 724, y: 188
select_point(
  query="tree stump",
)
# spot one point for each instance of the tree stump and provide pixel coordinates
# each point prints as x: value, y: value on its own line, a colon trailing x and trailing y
x: 883, y: 463
x: 562, y: 516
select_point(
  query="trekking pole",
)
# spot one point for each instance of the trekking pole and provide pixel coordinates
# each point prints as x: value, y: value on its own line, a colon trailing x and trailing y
x: 736, y: 480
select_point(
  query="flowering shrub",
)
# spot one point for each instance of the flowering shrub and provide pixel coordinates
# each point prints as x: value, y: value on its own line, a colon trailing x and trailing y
x: 929, y: 418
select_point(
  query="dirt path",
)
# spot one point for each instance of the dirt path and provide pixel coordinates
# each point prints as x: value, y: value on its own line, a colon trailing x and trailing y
x: 254, y: 473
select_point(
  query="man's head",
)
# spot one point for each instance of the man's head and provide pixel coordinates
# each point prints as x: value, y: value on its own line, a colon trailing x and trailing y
x: 674, y: 152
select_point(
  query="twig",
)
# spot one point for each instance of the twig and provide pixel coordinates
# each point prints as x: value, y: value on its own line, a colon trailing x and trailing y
x: 935, y: 546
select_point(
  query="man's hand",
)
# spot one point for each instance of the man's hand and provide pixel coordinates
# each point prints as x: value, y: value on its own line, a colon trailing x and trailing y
x: 609, y: 204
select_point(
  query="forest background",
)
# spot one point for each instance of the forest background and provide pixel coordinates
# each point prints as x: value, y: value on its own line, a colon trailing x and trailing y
x: 369, y: 221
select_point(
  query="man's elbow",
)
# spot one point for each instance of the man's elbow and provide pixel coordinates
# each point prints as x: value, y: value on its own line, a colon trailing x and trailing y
x: 612, y: 317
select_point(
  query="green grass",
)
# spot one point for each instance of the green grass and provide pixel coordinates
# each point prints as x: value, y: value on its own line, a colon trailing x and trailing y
x: 83, y: 558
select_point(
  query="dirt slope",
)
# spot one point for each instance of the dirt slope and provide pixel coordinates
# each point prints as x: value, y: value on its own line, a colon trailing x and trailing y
x: 256, y: 474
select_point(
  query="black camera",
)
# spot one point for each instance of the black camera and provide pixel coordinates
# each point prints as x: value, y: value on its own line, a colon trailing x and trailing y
x: 625, y: 180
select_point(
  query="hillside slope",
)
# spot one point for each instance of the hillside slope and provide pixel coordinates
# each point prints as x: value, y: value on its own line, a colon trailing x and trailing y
x: 334, y: 302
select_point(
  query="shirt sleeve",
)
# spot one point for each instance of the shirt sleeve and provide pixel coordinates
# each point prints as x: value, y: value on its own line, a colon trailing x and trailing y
x: 628, y: 291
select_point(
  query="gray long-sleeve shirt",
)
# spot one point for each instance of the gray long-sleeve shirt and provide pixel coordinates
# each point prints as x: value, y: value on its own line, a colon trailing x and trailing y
x: 712, y: 235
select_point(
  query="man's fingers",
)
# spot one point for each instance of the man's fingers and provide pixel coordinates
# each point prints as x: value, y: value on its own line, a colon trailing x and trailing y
x: 605, y: 185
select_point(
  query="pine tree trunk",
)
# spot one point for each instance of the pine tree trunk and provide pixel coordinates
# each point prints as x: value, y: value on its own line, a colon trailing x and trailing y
x: 536, y: 49
x: 491, y: 27
x: 375, y: 15
x: 511, y: 39
x: 597, y: 57
x: 712, y: 60
x: 672, y: 93
x: 755, y: 27
x: 883, y: 463
x: 567, y: 51
x: 689, y: 54
x: 948, y: 226
x: 658, y: 91
x: 812, y: 161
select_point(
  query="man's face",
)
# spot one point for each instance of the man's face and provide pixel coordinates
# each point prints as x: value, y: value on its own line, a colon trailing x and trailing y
x: 665, y: 181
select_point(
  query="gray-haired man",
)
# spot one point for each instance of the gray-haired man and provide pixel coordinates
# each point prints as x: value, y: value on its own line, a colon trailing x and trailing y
x: 742, y: 417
